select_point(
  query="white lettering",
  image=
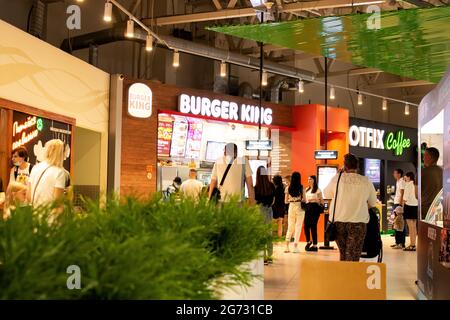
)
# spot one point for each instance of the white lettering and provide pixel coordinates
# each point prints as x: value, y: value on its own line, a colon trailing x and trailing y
x: 206, y: 105
x: 234, y: 111
x: 225, y: 106
x: 369, y: 138
x: 215, y: 108
x: 245, y: 109
x: 374, y: 280
x: 380, y: 139
x: 74, y: 280
x: 362, y: 130
x: 354, y: 136
x: 268, y: 116
x: 184, y: 105
x: 74, y: 20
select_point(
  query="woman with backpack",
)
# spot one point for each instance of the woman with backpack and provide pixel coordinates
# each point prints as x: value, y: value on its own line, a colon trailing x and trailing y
x: 264, y: 196
x: 410, y: 209
x: 295, y: 195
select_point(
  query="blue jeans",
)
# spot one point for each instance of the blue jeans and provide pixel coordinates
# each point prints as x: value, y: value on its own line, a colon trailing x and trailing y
x: 268, y: 216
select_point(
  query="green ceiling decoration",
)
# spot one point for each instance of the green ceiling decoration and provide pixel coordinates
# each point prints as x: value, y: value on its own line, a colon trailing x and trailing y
x: 411, y: 43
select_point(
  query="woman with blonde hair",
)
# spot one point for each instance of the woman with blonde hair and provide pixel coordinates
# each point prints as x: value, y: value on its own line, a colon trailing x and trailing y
x: 16, y: 195
x: 48, y: 179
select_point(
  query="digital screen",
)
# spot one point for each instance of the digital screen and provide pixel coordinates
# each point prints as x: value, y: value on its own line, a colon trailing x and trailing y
x: 179, y: 137
x: 214, y: 150
x: 372, y: 170
x: 194, y: 141
x: 324, y: 175
x: 165, y: 125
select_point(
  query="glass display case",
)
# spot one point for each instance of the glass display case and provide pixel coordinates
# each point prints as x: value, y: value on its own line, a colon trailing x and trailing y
x: 435, y: 214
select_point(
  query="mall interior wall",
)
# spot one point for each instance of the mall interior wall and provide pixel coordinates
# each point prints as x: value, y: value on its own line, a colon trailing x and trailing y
x: 38, y: 75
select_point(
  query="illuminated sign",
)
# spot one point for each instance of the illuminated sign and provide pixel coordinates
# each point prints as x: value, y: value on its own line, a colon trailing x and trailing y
x: 374, y: 138
x: 325, y: 154
x: 224, y: 110
x: 140, y: 100
x: 258, y: 144
x: 21, y: 134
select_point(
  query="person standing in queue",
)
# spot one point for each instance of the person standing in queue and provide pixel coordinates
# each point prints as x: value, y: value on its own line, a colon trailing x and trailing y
x: 192, y: 188
x: 431, y: 181
x: 264, y: 196
x: 356, y: 194
x: 20, y: 172
x: 398, y: 202
x: 279, y: 207
x: 294, y: 195
x: 410, y: 209
x: 239, y: 174
x: 314, y: 205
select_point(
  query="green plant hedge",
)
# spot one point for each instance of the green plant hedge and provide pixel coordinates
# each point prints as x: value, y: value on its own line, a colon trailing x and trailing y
x: 130, y: 250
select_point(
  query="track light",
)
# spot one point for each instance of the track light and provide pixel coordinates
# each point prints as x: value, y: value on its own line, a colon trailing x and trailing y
x: 384, y: 107
x: 108, y: 11
x: 360, y: 99
x: 176, y: 59
x: 149, y: 43
x: 264, y: 79
x: 407, y: 109
x: 130, y: 29
x: 223, y: 69
x: 301, y: 86
x: 332, y: 93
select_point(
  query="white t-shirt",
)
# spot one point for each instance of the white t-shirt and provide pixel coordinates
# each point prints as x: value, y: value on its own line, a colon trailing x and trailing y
x: 234, y: 184
x: 410, y: 194
x: 355, y: 193
x: 313, y: 197
x: 53, y: 177
x: 22, y: 175
x: 400, y: 185
x: 192, y: 188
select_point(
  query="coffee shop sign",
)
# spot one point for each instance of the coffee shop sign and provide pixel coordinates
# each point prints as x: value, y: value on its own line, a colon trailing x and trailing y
x: 224, y: 110
x: 378, y: 139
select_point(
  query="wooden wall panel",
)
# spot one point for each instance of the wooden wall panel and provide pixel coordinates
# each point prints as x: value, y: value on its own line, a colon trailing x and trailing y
x: 139, y: 136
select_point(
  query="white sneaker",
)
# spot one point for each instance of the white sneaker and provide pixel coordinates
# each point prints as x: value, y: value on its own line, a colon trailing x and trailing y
x: 296, y: 250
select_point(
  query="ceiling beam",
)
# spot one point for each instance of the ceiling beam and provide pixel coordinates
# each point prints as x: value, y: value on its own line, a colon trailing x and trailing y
x: 352, y: 72
x: 400, y: 84
x: 217, y: 4
x: 248, y: 12
x: 231, y: 4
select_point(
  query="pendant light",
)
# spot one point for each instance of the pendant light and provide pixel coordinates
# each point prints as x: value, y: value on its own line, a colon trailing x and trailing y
x: 130, y: 29
x: 108, y: 11
x: 301, y: 86
x: 176, y: 59
x: 332, y: 93
x: 384, y: 106
x: 149, y: 43
x: 223, y: 69
x: 407, y: 109
x: 360, y: 99
x: 264, y: 79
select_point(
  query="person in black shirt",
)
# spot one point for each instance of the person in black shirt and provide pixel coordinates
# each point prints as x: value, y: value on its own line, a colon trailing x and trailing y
x: 279, y: 207
x: 264, y: 196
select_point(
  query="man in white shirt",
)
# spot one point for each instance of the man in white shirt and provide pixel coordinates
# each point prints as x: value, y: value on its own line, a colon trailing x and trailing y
x: 356, y: 194
x: 239, y: 175
x: 398, y: 201
x: 192, y: 188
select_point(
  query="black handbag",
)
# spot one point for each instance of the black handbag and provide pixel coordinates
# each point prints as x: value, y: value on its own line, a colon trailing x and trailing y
x: 215, y: 194
x: 330, y: 231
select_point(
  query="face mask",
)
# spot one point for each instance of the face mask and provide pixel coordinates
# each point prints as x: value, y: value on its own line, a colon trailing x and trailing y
x: 17, y: 163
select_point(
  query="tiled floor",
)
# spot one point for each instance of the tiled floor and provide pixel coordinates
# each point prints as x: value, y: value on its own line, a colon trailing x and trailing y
x: 282, y: 277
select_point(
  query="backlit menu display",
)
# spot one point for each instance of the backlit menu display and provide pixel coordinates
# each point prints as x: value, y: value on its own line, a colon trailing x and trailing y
x: 165, y: 127
x: 179, y: 138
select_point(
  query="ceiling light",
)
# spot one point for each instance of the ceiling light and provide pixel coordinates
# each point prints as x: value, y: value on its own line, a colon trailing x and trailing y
x: 301, y: 86
x: 360, y: 99
x: 176, y: 59
x: 130, y: 29
x: 149, y: 43
x: 223, y: 69
x: 407, y: 109
x: 384, y: 107
x: 108, y: 11
x: 79, y: 1
x: 332, y: 93
x: 264, y: 79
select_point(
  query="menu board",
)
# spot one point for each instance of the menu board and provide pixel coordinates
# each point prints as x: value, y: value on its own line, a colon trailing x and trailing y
x: 33, y: 132
x: 325, y: 174
x: 179, y: 138
x: 194, y: 141
x: 165, y: 127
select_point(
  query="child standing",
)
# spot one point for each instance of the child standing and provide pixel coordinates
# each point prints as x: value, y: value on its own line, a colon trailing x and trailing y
x: 399, y: 226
